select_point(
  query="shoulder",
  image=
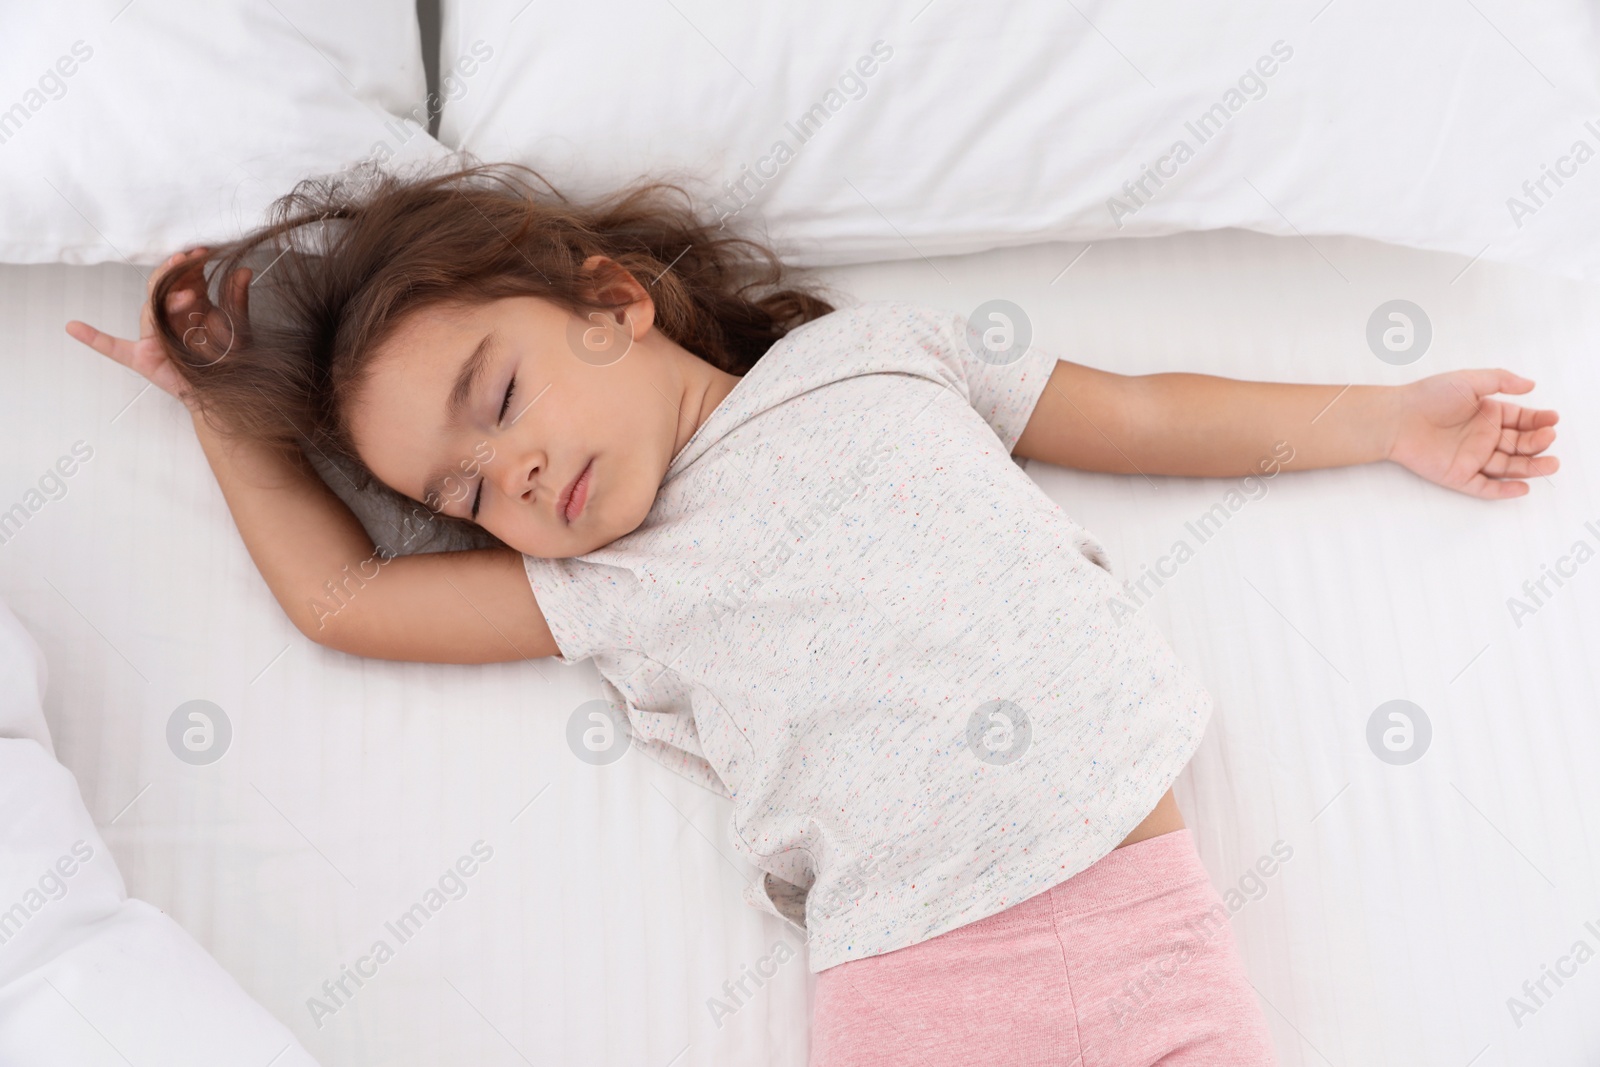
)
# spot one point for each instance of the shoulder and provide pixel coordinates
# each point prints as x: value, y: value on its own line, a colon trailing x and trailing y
x: 868, y: 342
x: 877, y: 328
x: 883, y: 318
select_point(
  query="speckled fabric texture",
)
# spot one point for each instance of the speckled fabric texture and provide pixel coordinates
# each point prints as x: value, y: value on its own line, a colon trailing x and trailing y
x: 850, y: 612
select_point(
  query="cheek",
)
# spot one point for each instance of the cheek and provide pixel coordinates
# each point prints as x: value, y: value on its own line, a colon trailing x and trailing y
x: 633, y: 411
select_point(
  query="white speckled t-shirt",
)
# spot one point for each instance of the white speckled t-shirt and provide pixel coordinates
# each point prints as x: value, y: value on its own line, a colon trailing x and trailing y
x: 851, y: 612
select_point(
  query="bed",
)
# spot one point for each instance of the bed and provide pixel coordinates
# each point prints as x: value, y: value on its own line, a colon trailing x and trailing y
x: 1396, y: 793
x: 1419, y: 899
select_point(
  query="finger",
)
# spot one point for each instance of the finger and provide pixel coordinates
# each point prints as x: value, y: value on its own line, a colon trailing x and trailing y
x: 116, y: 348
x: 222, y: 318
x: 188, y: 292
x: 1499, y: 380
x: 216, y: 339
x: 178, y: 301
x: 173, y: 261
x: 241, y: 292
x: 1528, y: 418
x: 190, y: 275
x: 1525, y: 443
x: 236, y: 308
x: 1501, y: 465
x: 155, y: 276
x: 1494, y: 489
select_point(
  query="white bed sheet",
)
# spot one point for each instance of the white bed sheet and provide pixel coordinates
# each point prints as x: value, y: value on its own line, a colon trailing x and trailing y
x: 1418, y: 899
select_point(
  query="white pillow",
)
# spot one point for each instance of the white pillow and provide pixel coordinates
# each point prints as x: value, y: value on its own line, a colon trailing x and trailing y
x: 129, y: 130
x: 943, y: 127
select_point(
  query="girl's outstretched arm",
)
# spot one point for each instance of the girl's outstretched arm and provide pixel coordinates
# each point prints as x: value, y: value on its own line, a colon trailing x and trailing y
x: 1446, y: 428
x: 445, y: 607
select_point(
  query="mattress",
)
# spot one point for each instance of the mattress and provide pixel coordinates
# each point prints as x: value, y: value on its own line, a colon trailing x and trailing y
x: 603, y: 922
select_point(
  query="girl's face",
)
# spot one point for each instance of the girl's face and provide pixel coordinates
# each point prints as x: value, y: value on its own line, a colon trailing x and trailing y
x: 550, y: 430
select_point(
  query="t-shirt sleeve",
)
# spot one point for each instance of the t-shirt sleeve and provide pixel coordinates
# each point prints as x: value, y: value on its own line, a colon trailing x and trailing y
x: 580, y: 604
x: 1002, y: 386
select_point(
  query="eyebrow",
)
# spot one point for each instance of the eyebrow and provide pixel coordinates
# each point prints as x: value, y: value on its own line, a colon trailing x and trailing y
x: 461, y: 392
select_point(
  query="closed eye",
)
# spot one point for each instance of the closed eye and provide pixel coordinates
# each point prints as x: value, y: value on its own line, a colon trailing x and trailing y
x: 505, y: 405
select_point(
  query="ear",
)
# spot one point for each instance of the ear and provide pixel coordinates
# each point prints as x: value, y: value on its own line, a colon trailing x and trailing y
x: 615, y: 285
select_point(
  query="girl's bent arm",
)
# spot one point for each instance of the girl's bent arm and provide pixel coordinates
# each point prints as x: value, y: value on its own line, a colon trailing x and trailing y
x: 441, y: 607
x: 447, y: 607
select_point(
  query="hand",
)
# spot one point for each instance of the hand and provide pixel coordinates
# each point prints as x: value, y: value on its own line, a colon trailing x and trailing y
x: 210, y: 330
x: 1449, y: 431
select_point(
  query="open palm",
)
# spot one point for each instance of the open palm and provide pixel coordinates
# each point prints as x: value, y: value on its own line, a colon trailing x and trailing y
x: 1452, y: 432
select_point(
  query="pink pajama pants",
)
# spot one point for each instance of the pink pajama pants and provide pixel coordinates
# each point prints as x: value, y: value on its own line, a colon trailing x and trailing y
x: 1130, y: 962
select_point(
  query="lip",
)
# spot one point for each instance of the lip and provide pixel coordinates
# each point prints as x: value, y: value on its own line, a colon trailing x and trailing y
x: 565, y: 506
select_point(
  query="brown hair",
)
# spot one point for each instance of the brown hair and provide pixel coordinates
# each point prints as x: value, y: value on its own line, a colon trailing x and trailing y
x: 343, y: 258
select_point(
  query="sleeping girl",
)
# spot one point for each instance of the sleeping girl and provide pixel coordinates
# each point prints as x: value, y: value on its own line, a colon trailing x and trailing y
x: 796, y: 544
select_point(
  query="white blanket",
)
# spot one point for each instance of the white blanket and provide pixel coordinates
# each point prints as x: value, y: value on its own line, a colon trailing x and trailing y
x: 88, y: 976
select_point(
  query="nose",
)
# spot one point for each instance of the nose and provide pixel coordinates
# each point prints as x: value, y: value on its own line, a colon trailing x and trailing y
x: 518, y: 474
